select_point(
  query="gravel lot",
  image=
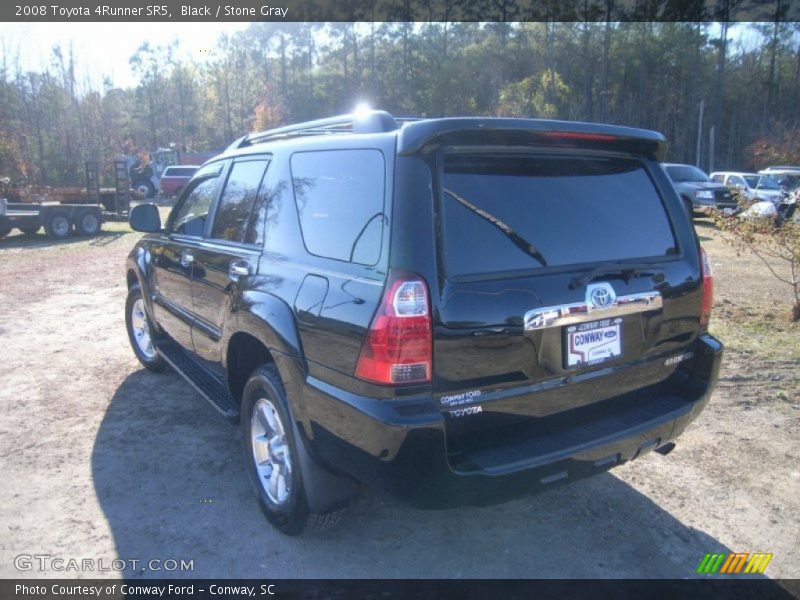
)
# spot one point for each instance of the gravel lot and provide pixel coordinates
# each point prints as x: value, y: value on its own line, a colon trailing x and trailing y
x: 103, y: 460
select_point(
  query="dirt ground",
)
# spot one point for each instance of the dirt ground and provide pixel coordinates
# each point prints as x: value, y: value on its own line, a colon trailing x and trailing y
x: 101, y: 459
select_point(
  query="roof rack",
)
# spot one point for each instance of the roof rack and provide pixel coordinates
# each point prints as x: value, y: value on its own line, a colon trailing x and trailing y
x: 374, y: 121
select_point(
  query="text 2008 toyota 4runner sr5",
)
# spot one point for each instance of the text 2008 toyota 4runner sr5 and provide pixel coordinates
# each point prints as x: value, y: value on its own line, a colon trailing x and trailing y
x: 454, y: 311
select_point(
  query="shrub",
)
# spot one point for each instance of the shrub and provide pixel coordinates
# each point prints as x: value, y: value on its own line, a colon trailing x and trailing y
x: 767, y: 239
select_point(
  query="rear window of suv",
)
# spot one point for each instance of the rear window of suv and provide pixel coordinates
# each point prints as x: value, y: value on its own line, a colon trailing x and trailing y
x: 511, y: 213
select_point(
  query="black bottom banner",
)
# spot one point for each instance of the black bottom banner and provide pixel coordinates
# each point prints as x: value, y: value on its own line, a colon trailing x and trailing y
x: 210, y: 589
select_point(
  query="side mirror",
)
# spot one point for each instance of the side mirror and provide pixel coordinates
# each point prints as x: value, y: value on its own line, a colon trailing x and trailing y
x: 145, y: 218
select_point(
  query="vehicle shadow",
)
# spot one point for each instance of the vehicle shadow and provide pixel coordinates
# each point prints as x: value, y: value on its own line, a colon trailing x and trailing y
x: 704, y: 226
x: 704, y: 223
x: 168, y: 473
x: 40, y: 240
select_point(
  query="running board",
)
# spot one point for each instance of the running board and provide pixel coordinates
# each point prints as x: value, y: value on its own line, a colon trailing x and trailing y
x: 198, y: 377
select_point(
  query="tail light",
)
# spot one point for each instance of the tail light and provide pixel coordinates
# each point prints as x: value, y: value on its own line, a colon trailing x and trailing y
x: 398, y: 347
x: 708, y: 288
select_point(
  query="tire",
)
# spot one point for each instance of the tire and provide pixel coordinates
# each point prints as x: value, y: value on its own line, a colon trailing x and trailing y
x: 265, y: 415
x: 29, y: 230
x: 139, y: 328
x: 58, y: 226
x: 87, y: 223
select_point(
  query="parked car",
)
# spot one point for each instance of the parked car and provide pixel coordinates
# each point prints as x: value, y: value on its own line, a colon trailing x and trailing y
x: 752, y: 186
x: 175, y: 178
x: 698, y: 191
x: 755, y: 187
x: 453, y: 311
x: 786, y: 177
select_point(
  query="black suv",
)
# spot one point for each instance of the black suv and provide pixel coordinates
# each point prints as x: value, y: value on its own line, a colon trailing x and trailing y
x: 454, y: 311
x: 698, y: 191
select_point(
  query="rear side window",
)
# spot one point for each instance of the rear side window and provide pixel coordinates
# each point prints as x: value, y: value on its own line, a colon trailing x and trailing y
x: 507, y: 213
x: 237, y: 200
x: 339, y: 195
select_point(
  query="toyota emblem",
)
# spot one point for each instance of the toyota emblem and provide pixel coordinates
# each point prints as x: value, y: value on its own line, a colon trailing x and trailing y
x: 600, y: 295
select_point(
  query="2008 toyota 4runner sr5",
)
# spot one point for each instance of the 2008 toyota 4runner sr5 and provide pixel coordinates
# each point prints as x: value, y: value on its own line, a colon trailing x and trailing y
x: 453, y: 311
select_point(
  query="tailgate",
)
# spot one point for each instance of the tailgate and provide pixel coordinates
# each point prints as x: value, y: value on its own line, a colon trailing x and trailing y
x: 565, y: 285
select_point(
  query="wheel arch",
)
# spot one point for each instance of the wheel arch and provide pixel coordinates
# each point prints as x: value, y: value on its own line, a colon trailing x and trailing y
x: 136, y: 272
x: 245, y: 352
x: 264, y: 326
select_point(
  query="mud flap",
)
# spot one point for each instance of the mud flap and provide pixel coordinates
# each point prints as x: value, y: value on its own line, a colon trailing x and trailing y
x: 325, y: 491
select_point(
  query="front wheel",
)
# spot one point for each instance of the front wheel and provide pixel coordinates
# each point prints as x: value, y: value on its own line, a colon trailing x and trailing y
x: 271, y: 457
x: 140, y: 331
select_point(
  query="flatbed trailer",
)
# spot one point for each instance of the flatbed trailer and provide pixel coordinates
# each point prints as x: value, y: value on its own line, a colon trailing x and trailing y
x: 59, y: 220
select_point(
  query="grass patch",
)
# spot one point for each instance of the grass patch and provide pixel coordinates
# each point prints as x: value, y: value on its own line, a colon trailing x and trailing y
x: 763, y: 333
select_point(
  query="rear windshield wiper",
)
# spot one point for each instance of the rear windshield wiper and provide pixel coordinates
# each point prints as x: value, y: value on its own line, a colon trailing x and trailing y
x: 628, y: 270
x: 519, y: 241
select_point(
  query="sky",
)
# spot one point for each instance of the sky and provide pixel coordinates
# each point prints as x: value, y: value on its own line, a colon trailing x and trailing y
x: 107, y: 47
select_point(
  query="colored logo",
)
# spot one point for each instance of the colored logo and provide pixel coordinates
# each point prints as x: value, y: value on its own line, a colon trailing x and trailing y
x: 734, y: 563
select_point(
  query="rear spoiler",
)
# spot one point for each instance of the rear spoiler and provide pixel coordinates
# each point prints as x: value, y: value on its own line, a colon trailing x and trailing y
x: 430, y: 134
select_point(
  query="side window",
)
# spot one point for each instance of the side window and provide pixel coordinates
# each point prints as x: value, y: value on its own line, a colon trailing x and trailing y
x: 735, y: 180
x: 191, y: 216
x: 339, y: 195
x: 238, y: 199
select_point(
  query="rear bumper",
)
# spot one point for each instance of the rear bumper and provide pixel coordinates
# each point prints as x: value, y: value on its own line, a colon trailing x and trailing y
x: 400, y: 447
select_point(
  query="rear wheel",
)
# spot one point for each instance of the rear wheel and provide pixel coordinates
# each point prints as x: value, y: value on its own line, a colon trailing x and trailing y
x: 57, y: 226
x: 271, y: 456
x: 87, y: 223
x: 140, y: 332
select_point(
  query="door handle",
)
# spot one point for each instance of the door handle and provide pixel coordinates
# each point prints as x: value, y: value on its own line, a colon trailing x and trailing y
x: 238, y: 268
x: 187, y: 258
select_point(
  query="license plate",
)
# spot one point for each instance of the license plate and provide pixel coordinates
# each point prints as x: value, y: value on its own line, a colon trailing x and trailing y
x: 595, y: 342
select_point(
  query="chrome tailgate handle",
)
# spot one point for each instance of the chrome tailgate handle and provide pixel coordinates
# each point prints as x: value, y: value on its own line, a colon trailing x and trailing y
x: 580, y: 312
